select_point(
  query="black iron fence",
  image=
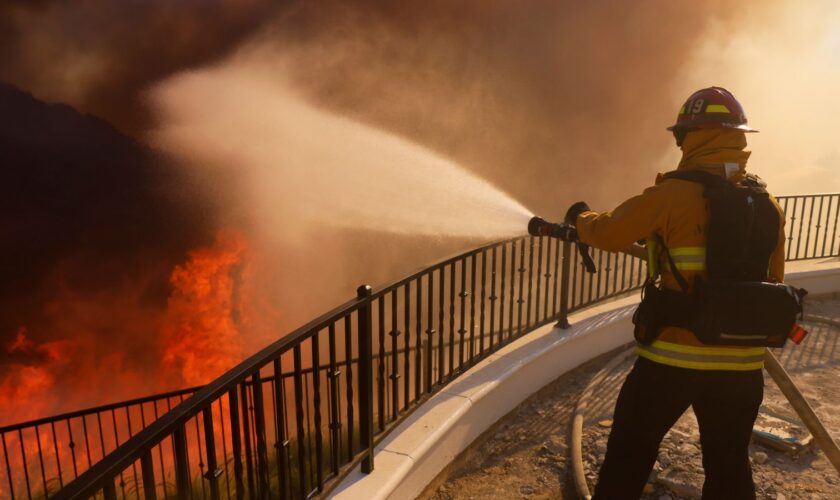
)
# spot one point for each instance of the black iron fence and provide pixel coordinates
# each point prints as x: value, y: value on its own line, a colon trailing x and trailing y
x: 294, y: 418
x: 811, y: 225
x: 41, y: 456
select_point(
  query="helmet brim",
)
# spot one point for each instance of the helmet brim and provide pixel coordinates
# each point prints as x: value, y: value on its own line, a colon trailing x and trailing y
x: 742, y: 127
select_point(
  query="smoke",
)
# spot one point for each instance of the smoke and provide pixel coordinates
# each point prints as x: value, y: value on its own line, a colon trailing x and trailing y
x: 548, y: 101
x: 92, y: 224
x: 98, y: 55
x: 783, y: 62
x: 557, y: 91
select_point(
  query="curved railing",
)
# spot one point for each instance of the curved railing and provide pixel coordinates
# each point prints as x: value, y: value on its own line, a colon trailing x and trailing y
x: 296, y: 417
x: 55, y: 449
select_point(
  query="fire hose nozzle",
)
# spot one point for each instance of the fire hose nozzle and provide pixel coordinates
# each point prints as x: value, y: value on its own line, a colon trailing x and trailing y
x: 537, y: 226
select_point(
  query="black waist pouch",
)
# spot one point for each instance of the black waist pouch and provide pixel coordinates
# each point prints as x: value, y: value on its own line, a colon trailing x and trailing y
x: 735, y: 313
x: 745, y: 313
x: 660, y: 308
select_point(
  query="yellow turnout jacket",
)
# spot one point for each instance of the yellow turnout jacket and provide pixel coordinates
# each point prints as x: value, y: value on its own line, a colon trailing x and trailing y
x: 675, y: 211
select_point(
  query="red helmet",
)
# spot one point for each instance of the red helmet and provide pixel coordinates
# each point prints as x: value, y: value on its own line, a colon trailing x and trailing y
x: 713, y: 107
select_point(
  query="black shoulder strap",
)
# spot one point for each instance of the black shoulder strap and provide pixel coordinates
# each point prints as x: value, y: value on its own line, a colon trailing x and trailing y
x: 707, y: 179
x: 674, y: 271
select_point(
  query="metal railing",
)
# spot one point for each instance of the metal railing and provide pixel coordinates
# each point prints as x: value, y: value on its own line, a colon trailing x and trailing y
x: 812, y: 223
x: 40, y: 456
x: 296, y: 417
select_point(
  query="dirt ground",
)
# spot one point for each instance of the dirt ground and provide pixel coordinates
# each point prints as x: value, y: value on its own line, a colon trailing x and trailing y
x: 526, y: 454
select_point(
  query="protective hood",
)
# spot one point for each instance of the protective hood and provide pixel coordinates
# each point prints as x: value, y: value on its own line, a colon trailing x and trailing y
x: 716, y: 150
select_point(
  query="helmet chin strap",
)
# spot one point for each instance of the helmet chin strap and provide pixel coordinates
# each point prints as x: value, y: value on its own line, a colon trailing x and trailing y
x: 679, y: 135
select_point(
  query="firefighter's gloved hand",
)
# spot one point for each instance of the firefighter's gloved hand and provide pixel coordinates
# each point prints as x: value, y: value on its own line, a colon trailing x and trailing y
x: 575, y: 210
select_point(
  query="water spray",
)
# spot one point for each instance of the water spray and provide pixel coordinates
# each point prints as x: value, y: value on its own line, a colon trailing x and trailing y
x: 301, y: 164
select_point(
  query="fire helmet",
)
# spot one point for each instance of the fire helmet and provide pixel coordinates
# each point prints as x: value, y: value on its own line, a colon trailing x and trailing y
x: 713, y: 107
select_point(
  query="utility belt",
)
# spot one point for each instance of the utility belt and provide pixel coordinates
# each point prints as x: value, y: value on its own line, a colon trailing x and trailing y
x: 719, y: 311
x: 734, y: 313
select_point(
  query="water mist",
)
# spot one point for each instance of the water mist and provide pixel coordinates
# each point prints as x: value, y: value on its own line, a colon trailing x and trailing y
x: 309, y: 168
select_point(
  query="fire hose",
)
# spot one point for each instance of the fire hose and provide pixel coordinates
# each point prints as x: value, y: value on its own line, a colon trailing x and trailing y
x: 578, y: 417
x: 779, y: 375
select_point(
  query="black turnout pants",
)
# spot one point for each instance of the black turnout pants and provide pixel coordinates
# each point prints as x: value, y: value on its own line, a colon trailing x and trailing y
x: 651, y: 400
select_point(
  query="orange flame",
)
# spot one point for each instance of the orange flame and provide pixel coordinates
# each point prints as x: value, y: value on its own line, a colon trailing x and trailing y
x: 201, y: 332
x: 213, y: 317
x: 26, y: 387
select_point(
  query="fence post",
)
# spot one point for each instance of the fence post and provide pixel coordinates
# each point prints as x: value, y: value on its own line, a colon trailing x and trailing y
x: 365, y: 378
x: 565, y: 274
x: 182, y: 466
x: 109, y: 491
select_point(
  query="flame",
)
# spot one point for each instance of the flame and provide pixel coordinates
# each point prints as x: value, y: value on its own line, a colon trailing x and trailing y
x: 26, y: 386
x: 201, y: 332
x: 213, y: 317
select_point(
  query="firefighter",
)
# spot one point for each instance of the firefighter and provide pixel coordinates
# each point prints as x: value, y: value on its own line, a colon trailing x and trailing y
x: 723, y: 384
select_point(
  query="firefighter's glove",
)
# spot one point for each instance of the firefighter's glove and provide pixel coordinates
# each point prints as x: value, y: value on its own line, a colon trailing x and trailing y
x: 575, y: 210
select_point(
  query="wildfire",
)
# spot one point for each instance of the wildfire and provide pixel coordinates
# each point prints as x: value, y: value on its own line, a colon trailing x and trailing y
x: 201, y: 333
x: 212, y: 319
x: 27, y: 381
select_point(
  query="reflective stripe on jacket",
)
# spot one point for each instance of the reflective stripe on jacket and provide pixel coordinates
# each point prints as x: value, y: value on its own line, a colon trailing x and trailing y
x: 675, y: 211
x: 703, y: 358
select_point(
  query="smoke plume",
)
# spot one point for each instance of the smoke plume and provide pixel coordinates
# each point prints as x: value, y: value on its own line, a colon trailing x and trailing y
x: 783, y: 62
x: 98, y: 55
x: 547, y: 101
x: 92, y: 224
